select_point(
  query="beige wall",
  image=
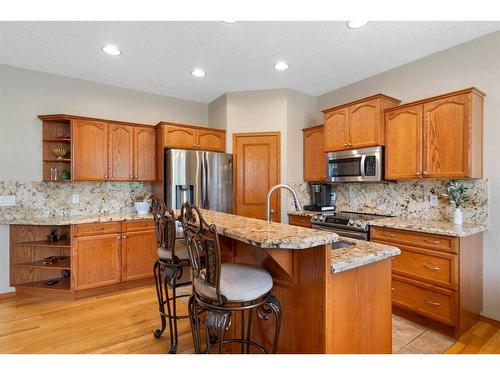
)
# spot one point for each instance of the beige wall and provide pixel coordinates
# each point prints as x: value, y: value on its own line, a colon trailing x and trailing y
x: 217, y: 113
x: 24, y: 94
x: 476, y: 63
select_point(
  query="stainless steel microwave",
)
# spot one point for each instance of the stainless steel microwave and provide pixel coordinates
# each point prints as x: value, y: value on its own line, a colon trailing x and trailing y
x: 359, y: 165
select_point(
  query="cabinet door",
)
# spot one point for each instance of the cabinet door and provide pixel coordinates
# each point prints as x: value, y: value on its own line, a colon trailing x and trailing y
x: 121, y: 141
x: 446, y: 138
x: 138, y: 255
x: 337, y: 130
x: 179, y: 137
x: 144, y: 153
x: 90, y: 150
x: 403, y: 147
x: 314, y: 155
x: 364, y: 124
x: 96, y: 261
x: 210, y: 140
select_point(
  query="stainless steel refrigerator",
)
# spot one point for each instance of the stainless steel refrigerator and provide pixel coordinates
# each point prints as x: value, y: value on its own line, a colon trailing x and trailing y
x: 199, y: 177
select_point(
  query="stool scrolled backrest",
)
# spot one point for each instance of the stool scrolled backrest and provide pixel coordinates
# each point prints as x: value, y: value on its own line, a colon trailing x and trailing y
x: 164, y: 220
x: 204, y: 252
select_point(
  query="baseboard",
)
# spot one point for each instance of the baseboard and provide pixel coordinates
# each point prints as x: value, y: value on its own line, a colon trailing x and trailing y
x: 7, y: 295
x: 489, y: 320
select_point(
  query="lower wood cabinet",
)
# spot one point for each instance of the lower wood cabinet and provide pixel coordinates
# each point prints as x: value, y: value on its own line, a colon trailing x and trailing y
x: 299, y: 220
x: 138, y: 254
x: 436, y: 279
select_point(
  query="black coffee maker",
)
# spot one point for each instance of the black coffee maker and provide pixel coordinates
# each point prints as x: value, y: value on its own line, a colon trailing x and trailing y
x: 321, y: 198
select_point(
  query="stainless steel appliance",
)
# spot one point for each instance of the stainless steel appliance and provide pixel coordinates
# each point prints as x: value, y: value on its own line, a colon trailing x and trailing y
x: 359, y: 165
x: 198, y: 177
x: 321, y: 198
x: 346, y: 224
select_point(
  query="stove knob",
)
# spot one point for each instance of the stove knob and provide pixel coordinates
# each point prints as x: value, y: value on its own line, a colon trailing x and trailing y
x: 322, y: 218
x: 315, y: 217
x: 351, y: 222
x: 359, y: 224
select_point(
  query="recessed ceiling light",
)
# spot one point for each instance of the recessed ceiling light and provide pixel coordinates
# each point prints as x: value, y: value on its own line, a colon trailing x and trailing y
x: 281, y: 66
x: 111, y: 50
x: 198, y: 73
x: 230, y: 21
x: 356, y: 24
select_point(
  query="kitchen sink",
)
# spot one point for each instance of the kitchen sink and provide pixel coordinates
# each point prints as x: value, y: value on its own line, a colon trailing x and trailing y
x: 341, y: 245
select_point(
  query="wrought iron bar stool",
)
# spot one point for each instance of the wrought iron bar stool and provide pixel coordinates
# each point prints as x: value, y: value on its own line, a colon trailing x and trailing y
x: 223, y: 290
x: 173, y: 257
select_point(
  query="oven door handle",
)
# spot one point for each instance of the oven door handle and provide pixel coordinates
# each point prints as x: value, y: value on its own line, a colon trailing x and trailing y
x: 342, y: 232
x: 363, y: 165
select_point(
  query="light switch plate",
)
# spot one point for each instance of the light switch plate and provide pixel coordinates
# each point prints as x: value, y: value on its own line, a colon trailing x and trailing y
x: 75, y: 198
x: 433, y: 200
x: 7, y: 200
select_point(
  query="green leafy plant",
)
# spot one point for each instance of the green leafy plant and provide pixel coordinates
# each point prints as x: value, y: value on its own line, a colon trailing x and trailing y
x: 457, y: 194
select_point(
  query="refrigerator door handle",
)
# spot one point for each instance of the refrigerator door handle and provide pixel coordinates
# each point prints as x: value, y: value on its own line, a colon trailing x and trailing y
x: 202, y: 179
x: 207, y: 181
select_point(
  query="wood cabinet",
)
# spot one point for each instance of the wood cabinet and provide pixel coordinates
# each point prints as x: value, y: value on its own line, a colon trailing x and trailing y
x: 192, y: 137
x: 314, y: 155
x: 144, y: 153
x: 299, y: 220
x: 138, y: 250
x: 439, y: 137
x: 437, y: 280
x: 121, y: 152
x: 357, y: 124
x: 90, y: 150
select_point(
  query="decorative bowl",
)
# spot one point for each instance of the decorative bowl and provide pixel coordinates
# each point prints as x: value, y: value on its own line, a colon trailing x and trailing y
x: 59, y: 152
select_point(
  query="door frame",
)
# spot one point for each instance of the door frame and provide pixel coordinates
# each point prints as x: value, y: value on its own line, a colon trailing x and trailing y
x: 235, y: 164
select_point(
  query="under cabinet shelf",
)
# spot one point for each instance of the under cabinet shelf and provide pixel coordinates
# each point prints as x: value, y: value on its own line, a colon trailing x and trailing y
x: 57, y: 160
x: 63, y: 283
x: 58, y: 140
x: 64, y: 264
x: 43, y: 243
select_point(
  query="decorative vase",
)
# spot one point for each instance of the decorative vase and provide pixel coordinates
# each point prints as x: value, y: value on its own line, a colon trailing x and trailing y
x: 142, y: 208
x: 457, y: 218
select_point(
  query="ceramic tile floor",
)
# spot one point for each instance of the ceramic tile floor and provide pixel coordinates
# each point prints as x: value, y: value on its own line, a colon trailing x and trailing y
x: 412, y: 338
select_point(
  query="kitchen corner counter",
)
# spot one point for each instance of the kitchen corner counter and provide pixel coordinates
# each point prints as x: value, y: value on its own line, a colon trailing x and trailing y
x: 429, y: 226
x: 76, y: 219
x: 359, y: 254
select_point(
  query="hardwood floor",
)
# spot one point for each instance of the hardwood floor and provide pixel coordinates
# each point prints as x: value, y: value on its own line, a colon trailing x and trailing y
x: 124, y: 323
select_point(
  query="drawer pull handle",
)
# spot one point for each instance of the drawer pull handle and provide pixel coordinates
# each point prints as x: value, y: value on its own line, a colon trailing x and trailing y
x: 431, y: 267
x: 102, y: 228
x: 389, y: 234
x: 433, y: 304
x: 393, y: 289
x: 432, y: 241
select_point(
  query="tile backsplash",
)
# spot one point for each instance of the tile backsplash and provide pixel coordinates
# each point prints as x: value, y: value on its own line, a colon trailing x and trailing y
x: 55, y: 199
x: 404, y: 198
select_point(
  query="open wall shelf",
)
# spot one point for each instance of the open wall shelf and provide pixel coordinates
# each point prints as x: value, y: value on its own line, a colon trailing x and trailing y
x: 56, y: 135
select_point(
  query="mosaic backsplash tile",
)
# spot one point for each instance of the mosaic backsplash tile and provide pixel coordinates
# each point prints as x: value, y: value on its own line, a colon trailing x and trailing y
x: 404, y: 198
x: 55, y: 199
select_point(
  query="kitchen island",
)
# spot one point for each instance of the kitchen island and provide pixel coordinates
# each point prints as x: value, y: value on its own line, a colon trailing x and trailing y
x: 335, y: 299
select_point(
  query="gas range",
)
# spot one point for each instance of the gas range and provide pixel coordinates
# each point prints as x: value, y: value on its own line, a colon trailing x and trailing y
x: 347, y: 224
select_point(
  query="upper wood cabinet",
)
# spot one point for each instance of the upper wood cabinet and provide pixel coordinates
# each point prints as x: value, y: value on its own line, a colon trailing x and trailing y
x: 314, y: 156
x: 90, y: 150
x: 191, y: 137
x: 121, y: 152
x: 439, y: 137
x: 357, y: 124
x: 144, y: 153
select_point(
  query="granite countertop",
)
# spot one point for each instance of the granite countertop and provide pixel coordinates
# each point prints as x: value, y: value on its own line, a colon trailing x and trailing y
x: 359, y: 254
x: 429, y: 226
x: 76, y: 219
x: 266, y: 235
x: 304, y: 213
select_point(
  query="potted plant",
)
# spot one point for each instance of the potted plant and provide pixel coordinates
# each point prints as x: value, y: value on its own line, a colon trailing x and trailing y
x: 458, y: 196
x: 142, y: 203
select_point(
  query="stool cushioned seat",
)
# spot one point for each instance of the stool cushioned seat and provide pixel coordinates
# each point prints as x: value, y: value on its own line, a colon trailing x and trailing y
x: 238, y: 283
x: 181, y: 251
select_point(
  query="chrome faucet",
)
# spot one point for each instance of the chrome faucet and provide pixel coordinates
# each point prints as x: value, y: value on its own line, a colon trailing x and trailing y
x: 296, y: 202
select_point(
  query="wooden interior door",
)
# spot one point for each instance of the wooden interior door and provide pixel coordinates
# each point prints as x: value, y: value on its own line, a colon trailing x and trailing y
x: 209, y: 140
x: 314, y: 155
x: 256, y: 170
x: 337, y: 130
x: 138, y: 255
x: 446, y: 138
x: 121, y: 151
x: 145, y: 153
x: 179, y: 137
x: 97, y: 261
x: 364, y: 124
x: 403, y: 148
x: 90, y: 150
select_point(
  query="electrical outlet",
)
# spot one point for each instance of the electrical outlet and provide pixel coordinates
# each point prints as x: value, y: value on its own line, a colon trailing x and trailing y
x: 75, y: 198
x: 433, y: 200
x: 7, y: 200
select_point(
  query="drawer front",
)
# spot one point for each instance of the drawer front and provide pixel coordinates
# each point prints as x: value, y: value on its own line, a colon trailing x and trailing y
x: 138, y: 225
x: 428, y: 241
x: 429, y: 266
x: 434, y: 304
x: 299, y: 220
x: 97, y: 228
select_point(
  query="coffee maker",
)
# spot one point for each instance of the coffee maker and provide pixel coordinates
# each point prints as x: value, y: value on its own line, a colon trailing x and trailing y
x: 321, y: 198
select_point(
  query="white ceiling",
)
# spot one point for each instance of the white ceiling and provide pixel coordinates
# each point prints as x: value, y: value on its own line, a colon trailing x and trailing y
x: 158, y: 57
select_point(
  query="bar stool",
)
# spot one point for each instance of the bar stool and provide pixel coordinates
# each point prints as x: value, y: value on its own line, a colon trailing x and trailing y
x: 173, y: 257
x: 222, y: 290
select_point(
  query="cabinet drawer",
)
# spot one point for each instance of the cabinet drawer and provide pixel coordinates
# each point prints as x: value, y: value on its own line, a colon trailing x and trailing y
x: 97, y: 228
x: 299, y: 220
x: 434, y: 267
x: 428, y: 241
x: 438, y: 304
x: 138, y: 225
